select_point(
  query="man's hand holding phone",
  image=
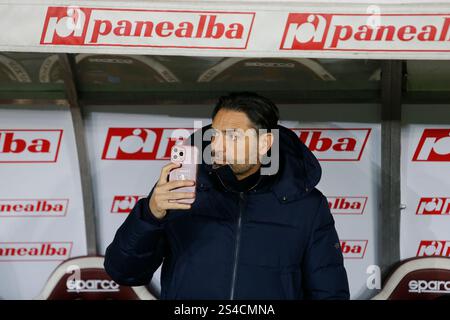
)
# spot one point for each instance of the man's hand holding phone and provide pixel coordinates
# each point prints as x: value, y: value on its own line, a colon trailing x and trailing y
x: 159, y: 202
x: 176, y: 185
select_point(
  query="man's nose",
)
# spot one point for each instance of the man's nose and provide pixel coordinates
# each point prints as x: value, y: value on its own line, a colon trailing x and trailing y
x: 217, y: 144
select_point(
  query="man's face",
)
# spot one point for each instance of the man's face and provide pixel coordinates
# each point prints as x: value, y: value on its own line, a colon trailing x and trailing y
x: 235, y: 141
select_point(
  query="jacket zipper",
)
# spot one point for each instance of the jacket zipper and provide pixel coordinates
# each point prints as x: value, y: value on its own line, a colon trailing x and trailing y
x: 237, y: 244
x: 238, y: 233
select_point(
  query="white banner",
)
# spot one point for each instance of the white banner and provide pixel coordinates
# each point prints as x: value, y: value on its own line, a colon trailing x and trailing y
x: 425, y: 224
x: 41, y: 207
x: 335, y: 29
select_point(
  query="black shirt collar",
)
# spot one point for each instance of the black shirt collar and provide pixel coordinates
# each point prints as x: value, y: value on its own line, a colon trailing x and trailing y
x: 253, y: 182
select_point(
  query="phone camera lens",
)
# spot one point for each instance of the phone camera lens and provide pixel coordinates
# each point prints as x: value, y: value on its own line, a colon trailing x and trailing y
x: 181, y: 153
x: 175, y: 149
x: 175, y: 156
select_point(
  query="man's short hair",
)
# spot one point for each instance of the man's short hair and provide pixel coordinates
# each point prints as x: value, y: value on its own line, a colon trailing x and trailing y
x: 261, y: 111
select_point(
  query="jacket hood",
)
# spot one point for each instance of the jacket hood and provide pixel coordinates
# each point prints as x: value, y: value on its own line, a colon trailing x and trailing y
x: 298, y: 172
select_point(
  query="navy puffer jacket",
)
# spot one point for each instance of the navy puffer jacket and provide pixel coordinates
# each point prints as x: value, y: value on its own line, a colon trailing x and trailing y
x: 277, y: 242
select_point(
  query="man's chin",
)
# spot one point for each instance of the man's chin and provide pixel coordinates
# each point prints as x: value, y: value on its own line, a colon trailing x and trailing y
x: 218, y: 165
x: 236, y: 168
x: 240, y: 169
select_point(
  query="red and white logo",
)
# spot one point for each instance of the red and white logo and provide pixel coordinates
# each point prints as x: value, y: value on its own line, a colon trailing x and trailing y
x: 147, y: 28
x: 20, y: 145
x: 65, y: 25
x: 433, y: 206
x: 33, y: 207
x: 366, y: 32
x: 334, y: 144
x: 306, y: 31
x: 429, y: 248
x: 35, y: 251
x: 124, y: 204
x: 142, y: 143
x: 347, y: 205
x: 434, y: 145
x: 353, y: 249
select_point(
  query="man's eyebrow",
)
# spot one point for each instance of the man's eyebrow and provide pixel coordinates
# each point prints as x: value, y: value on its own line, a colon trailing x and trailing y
x: 225, y: 130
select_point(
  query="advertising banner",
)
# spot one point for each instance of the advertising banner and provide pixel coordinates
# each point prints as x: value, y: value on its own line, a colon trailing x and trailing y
x: 335, y: 29
x: 41, y: 206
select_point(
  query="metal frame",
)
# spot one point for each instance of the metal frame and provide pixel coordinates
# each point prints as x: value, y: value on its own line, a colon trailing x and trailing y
x: 68, y: 65
x: 389, y: 217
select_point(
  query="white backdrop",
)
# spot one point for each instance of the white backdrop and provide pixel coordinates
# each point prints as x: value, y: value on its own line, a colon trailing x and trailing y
x: 425, y: 224
x: 41, y: 211
x: 41, y: 215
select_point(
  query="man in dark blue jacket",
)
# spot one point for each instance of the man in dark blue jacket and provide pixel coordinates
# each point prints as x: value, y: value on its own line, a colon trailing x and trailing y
x: 248, y: 234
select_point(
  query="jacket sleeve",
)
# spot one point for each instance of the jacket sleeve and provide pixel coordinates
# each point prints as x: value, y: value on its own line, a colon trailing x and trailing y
x: 323, y: 266
x: 138, y: 247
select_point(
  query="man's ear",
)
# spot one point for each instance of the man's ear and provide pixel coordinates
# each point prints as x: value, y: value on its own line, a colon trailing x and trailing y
x: 265, y: 143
